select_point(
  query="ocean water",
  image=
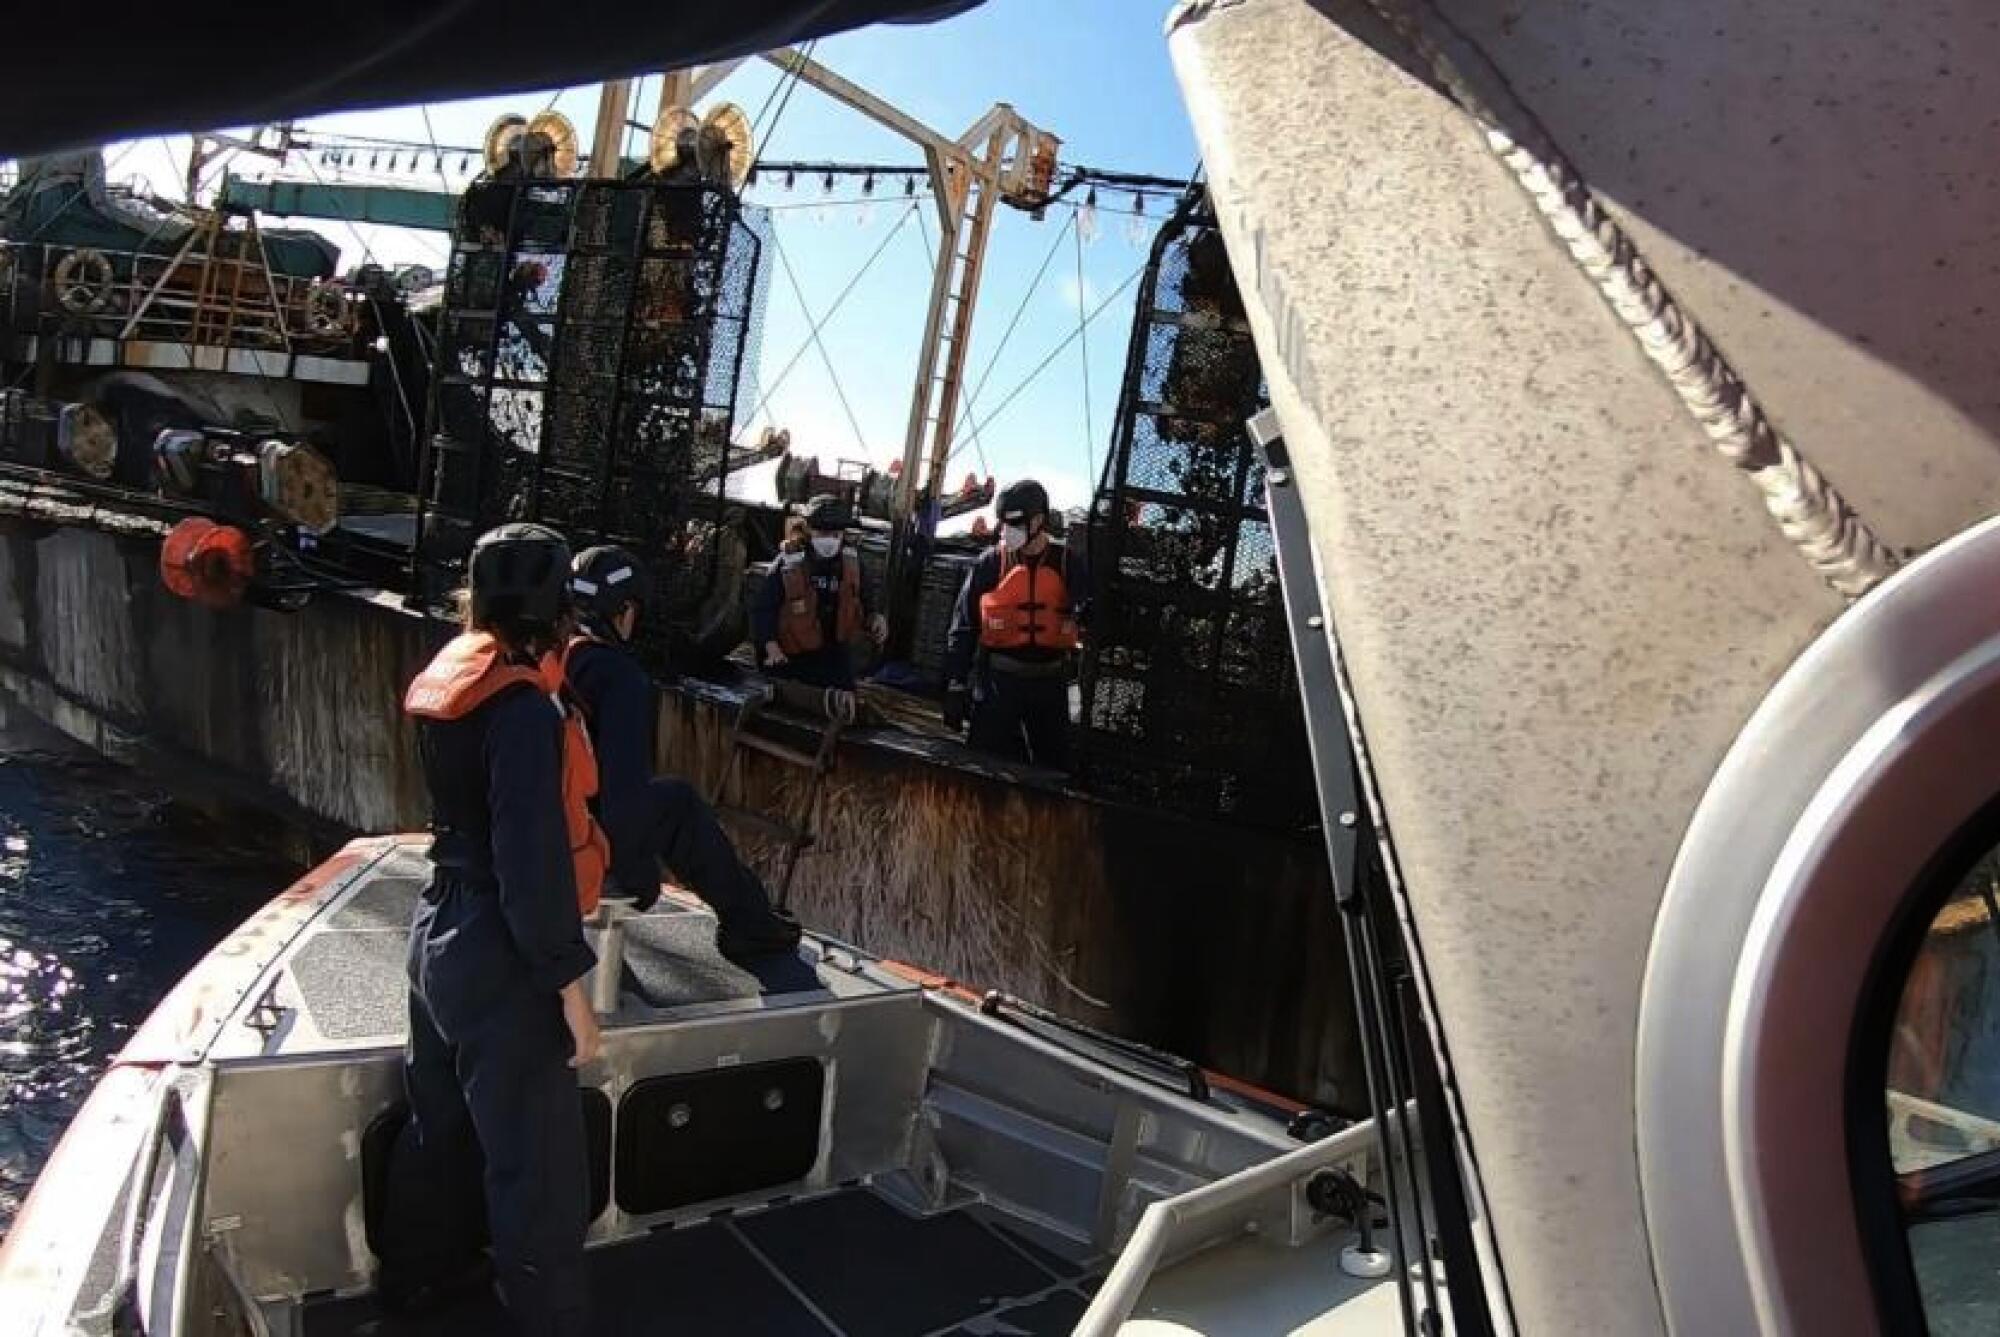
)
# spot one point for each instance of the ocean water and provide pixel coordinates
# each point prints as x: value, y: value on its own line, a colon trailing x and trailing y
x: 110, y: 890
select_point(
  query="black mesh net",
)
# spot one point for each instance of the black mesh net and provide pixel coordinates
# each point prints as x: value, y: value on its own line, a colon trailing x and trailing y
x: 1189, y: 696
x: 590, y: 371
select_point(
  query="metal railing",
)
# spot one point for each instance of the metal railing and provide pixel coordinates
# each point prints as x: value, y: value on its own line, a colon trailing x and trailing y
x: 221, y: 294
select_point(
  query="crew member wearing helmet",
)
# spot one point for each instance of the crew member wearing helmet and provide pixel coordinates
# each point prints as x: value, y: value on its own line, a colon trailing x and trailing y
x: 498, y: 1012
x: 653, y: 820
x: 1018, y: 621
x: 812, y: 606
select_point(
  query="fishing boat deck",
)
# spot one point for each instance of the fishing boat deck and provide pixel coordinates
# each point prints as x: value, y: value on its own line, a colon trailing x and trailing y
x: 344, y: 986
x: 842, y: 1265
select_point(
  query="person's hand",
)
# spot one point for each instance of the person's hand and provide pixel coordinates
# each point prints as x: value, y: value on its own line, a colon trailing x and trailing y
x: 957, y: 706
x: 774, y: 657
x: 584, y: 1037
x: 878, y: 629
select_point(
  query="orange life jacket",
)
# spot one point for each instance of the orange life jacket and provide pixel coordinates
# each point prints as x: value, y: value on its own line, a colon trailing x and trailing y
x: 799, y: 630
x: 470, y: 671
x: 1030, y: 607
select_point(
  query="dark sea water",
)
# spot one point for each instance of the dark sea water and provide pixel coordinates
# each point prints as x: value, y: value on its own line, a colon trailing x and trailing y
x: 109, y: 891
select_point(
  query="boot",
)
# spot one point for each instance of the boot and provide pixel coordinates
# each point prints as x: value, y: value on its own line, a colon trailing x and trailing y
x: 765, y: 931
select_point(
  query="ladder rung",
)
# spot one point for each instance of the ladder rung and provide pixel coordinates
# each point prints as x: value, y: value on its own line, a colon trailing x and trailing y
x: 764, y: 824
x: 772, y: 748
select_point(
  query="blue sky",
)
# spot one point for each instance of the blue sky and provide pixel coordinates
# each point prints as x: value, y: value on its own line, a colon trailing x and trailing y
x: 1093, y: 72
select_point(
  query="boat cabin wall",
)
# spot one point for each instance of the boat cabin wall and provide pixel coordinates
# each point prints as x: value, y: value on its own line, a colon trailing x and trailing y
x: 1557, y: 598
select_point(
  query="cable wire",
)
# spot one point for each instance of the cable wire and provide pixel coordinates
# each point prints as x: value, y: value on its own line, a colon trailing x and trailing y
x: 1043, y: 365
x: 1089, y: 430
x: 785, y: 263
x: 972, y: 399
x: 793, y: 361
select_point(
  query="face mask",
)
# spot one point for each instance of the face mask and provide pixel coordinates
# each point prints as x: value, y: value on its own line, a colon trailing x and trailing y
x: 1013, y: 537
x: 828, y: 546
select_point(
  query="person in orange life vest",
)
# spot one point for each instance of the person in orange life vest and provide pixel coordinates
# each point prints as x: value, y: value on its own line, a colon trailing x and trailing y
x: 1017, y: 623
x: 653, y: 820
x: 811, y: 606
x: 499, y: 1017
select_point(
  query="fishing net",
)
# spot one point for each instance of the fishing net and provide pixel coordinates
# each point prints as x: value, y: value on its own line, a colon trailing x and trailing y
x: 590, y: 371
x: 1189, y: 698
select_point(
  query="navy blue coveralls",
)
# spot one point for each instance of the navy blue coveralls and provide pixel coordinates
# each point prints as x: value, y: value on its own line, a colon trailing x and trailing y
x: 832, y: 665
x: 1019, y: 714
x: 495, y: 937
x: 651, y: 820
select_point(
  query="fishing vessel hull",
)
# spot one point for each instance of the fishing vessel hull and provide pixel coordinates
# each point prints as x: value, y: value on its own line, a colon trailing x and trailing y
x: 1208, y: 939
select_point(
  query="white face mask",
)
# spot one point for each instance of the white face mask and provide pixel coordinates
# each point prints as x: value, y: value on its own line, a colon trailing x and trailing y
x: 1013, y: 537
x: 827, y: 545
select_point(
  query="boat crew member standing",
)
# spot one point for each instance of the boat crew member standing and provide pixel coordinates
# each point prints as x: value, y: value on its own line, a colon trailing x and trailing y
x: 1017, y: 623
x: 653, y: 820
x: 812, y: 606
x: 499, y: 1017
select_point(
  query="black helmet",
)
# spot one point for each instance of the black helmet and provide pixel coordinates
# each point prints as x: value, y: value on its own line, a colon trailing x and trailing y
x: 1019, y: 500
x: 519, y: 573
x: 604, y: 579
x: 828, y: 514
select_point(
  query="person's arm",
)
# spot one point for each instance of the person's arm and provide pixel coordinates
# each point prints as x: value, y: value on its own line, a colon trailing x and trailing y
x: 872, y: 619
x: 963, y: 639
x: 531, y: 858
x: 1076, y: 579
x: 764, y: 608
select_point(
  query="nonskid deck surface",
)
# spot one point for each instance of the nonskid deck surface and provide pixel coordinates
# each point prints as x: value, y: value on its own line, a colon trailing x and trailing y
x: 350, y: 971
x: 847, y: 1265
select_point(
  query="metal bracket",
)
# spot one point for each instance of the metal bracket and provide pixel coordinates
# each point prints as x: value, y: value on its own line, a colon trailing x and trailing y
x: 1312, y: 657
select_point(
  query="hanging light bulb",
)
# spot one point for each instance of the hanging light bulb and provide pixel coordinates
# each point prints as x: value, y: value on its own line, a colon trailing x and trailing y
x: 1086, y: 217
x: 909, y: 185
x: 751, y: 179
x: 868, y: 184
x: 374, y: 160
x: 437, y: 163
x: 791, y: 179
x: 826, y: 183
x: 464, y: 163
x: 1138, y: 204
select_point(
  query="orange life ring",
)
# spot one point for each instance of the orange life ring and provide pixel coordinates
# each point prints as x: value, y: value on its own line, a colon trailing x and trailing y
x: 208, y: 563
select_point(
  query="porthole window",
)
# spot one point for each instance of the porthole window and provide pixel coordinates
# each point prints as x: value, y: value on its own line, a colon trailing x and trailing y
x: 1943, y: 1107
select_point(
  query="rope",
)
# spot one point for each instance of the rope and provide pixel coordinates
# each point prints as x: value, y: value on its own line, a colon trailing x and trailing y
x: 1054, y: 353
x: 785, y: 263
x: 1089, y: 431
x: 793, y: 361
x: 788, y: 80
x: 1809, y: 511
